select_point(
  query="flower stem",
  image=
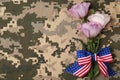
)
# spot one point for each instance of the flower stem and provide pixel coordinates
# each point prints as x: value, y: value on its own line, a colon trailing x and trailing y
x: 93, y: 47
x: 90, y: 46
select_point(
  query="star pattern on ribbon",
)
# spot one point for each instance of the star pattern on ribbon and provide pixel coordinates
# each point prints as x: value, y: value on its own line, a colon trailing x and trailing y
x: 84, y: 63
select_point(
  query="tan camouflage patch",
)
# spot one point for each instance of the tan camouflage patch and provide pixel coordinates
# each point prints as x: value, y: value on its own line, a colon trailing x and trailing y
x: 2, y: 11
x: 114, y: 10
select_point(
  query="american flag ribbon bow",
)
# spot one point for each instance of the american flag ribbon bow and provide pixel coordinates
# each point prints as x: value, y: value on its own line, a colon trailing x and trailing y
x: 85, y: 58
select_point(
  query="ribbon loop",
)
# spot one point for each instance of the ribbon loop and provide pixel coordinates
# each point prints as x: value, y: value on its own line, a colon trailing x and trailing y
x: 84, y: 57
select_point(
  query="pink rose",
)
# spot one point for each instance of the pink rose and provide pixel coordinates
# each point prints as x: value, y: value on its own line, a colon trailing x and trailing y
x: 103, y: 19
x: 91, y: 29
x: 80, y: 10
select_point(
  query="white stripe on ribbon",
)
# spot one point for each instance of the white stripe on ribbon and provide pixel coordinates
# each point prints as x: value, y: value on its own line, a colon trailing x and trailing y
x: 103, y: 68
x: 86, y: 70
x: 82, y: 71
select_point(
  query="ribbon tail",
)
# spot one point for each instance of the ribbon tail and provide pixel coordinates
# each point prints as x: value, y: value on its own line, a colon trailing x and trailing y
x: 77, y: 70
x: 110, y: 71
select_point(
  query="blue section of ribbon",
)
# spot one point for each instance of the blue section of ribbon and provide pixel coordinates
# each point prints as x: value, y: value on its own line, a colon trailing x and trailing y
x: 82, y: 53
x: 104, y: 51
x: 73, y: 68
x: 110, y: 70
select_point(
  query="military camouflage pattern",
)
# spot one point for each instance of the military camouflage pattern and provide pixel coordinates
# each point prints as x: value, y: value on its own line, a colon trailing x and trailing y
x: 39, y: 38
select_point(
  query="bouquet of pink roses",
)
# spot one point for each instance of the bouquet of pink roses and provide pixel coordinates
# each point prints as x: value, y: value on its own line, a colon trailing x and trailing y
x: 91, y: 61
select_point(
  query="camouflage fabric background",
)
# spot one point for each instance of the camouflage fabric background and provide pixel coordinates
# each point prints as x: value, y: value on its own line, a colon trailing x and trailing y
x: 38, y: 38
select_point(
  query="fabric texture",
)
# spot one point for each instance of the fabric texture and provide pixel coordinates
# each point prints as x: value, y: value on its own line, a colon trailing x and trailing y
x: 39, y: 38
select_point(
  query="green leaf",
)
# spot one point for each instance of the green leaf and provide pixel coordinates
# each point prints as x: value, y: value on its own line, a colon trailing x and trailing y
x: 85, y: 0
x: 92, y: 11
x: 93, y: 47
x: 82, y: 20
x: 96, y: 70
x: 98, y: 44
x: 90, y: 76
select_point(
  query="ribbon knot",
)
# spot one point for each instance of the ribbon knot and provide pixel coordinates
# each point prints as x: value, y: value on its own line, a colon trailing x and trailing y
x: 94, y: 57
x: 85, y: 58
